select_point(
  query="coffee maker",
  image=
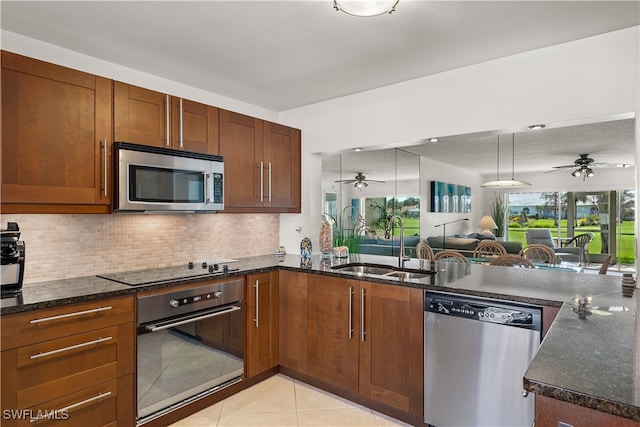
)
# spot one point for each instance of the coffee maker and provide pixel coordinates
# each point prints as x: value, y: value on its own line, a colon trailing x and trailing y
x: 12, y: 259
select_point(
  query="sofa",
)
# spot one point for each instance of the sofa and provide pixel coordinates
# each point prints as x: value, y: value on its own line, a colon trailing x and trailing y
x: 389, y: 247
x: 466, y: 243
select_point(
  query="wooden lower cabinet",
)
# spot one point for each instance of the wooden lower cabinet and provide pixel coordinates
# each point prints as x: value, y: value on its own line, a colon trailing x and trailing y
x: 333, y: 330
x: 392, y: 351
x: 367, y: 338
x: 293, y: 320
x: 552, y: 413
x: 262, y: 322
x: 84, y: 376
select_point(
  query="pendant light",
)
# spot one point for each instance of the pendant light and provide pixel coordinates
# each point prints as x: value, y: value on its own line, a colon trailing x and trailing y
x: 506, y: 183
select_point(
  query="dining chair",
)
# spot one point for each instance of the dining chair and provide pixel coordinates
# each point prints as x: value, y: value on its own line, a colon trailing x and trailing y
x: 451, y: 256
x: 490, y: 248
x: 605, y: 264
x: 539, y: 253
x: 542, y: 236
x: 580, y: 241
x: 424, y: 251
x: 512, y: 260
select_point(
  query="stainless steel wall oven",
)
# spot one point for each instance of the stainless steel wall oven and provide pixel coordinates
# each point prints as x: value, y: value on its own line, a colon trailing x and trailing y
x: 190, y: 344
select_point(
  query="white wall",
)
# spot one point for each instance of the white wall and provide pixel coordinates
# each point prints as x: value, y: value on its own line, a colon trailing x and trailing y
x: 593, y: 77
x: 37, y: 49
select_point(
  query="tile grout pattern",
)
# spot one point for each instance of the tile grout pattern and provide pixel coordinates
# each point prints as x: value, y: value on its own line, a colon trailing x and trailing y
x: 282, y: 401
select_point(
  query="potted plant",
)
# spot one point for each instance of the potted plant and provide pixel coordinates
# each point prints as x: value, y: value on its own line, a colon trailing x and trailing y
x: 347, y: 229
x: 498, y: 210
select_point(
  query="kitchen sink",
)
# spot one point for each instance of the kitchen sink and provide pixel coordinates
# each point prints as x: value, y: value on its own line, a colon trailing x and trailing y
x: 362, y: 269
x: 408, y: 274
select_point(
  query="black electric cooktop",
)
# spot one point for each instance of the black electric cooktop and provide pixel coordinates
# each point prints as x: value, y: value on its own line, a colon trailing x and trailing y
x: 154, y: 276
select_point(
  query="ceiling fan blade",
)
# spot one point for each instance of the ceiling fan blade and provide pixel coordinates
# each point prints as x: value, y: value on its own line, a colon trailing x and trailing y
x: 559, y: 168
x: 347, y: 181
x: 565, y: 166
x: 373, y: 180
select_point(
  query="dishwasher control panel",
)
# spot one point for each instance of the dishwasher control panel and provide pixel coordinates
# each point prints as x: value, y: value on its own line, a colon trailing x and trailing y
x: 484, y: 310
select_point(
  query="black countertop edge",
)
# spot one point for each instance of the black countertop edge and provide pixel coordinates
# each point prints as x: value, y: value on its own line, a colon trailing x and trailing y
x: 581, y: 399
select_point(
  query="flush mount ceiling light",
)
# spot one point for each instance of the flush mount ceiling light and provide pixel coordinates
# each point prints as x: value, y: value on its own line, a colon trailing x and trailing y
x: 506, y: 183
x: 537, y: 127
x: 365, y: 7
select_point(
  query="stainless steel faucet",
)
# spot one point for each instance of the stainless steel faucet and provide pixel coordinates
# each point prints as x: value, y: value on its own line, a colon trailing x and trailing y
x: 402, y: 258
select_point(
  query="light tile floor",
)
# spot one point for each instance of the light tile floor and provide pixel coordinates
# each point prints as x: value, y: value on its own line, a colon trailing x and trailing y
x: 282, y: 401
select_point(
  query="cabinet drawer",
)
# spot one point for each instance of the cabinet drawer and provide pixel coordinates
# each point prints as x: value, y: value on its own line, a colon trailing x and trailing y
x: 51, y: 323
x: 108, y: 404
x: 70, y: 364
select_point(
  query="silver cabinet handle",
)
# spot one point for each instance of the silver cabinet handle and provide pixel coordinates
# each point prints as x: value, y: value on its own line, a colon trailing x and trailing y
x: 350, y: 312
x: 74, y: 405
x: 104, y: 153
x: 269, y: 182
x: 76, y: 313
x: 257, y: 302
x: 167, y: 137
x: 181, y: 125
x: 261, y: 181
x: 160, y: 327
x: 71, y: 347
x: 362, y: 295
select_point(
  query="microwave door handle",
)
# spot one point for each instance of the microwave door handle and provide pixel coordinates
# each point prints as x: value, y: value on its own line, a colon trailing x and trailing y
x: 208, y: 188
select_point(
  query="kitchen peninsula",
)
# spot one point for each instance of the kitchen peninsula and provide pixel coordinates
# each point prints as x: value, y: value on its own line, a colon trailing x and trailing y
x: 591, y: 363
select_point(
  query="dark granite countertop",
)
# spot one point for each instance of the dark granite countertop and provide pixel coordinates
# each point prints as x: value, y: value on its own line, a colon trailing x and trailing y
x: 592, y: 362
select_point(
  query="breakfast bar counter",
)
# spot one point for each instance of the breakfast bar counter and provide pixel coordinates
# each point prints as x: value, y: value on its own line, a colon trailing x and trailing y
x: 592, y: 362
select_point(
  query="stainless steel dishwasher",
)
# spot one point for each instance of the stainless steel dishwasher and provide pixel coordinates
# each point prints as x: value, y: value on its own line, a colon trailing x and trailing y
x: 476, y: 352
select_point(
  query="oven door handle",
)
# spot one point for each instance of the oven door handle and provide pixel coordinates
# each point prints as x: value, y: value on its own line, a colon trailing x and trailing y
x: 162, y: 326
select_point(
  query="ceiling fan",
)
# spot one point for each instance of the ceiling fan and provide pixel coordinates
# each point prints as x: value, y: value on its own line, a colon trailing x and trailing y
x: 359, y: 181
x: 583, y: 166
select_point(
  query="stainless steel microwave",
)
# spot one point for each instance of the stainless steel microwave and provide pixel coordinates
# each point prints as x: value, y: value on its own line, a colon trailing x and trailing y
x: 153, y: 179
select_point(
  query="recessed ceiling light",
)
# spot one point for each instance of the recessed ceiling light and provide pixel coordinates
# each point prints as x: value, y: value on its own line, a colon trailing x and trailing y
x: 433, y: 140
x: 357, y: 149
x: 537, y: 127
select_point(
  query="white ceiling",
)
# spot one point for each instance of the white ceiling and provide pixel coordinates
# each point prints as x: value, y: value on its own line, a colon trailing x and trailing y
x: 285, y: 54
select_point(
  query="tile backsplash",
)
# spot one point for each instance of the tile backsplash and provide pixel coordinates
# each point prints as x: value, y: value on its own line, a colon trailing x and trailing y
x: 65, y: 246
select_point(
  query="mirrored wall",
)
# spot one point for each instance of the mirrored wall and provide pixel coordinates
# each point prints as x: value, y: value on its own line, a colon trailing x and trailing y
x: 363, y: 189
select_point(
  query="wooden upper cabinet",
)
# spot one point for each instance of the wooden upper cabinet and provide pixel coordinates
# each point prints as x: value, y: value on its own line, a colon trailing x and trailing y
x: 241, y: 142
x: 56, y: 132
x: 146, y: 117
x: 262, y: 164
x: 282, y: 155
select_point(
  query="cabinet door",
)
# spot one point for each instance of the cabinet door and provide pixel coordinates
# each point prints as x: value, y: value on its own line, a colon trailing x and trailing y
x: 282, y: 159
x: 140, y: 115
x: 195, y: 126
x: 293, y: 320
x: 241, y: 145
x: 333, y: 330
x: 391, y: 352
x: 56, y: 131
x: 262, y: 322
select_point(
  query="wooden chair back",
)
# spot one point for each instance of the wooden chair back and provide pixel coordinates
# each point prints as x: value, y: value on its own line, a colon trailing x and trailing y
x: 452, y: 256
x: 424, y: 251
x: 605, y: 264
x: 512, y: 260
x: 490, y: 248
x: 539, y: 253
